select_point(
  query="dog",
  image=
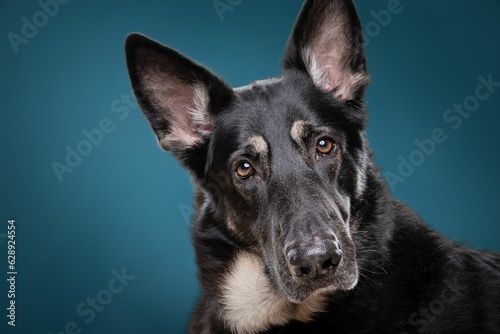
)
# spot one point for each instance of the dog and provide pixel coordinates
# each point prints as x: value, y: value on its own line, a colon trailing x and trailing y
x: 295, y: 230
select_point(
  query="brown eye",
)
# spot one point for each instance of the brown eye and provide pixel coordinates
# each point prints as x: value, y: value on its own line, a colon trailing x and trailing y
x: 325, y: 146
x: 244, y: 170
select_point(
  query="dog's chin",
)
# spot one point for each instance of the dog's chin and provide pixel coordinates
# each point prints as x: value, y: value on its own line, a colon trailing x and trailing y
x: 298, y: 292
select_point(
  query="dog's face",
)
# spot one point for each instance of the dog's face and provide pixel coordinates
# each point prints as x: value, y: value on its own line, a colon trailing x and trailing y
x: 280, y: 161
x: 287, y: 150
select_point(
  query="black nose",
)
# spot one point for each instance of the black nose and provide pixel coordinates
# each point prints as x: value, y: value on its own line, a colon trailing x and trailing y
x: 314, y: 259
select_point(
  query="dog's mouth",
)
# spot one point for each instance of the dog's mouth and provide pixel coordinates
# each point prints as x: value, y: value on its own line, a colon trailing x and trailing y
x: 297, y: 290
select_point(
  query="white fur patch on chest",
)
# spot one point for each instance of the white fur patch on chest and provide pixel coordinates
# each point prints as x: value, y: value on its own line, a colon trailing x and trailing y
x: 251, y: 304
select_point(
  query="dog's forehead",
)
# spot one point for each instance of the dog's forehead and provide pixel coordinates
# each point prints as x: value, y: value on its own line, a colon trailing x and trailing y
x: 269, y: 107
x: 264, y: 115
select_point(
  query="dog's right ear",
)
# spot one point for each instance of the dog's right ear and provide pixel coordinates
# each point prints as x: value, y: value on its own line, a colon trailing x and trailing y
x: 179, y: 97
x: 327, y: 43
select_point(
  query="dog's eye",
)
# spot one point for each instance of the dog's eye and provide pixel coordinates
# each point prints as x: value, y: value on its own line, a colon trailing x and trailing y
x: 244, y: 170
x: 325, y: 146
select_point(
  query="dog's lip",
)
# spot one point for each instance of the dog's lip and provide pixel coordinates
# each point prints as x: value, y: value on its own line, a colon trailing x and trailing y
x: 302, y: 291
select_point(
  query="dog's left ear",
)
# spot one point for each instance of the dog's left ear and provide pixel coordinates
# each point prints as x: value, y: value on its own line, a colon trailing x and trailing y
x: 327, y: 42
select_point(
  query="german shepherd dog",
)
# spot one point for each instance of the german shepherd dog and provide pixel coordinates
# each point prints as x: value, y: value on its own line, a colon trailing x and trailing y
x: 294, y: 228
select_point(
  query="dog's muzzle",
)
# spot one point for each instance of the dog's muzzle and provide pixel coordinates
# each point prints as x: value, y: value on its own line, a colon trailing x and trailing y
x: 314, y: 257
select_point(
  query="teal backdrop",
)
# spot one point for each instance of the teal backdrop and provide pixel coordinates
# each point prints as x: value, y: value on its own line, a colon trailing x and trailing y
x: 102, y: 214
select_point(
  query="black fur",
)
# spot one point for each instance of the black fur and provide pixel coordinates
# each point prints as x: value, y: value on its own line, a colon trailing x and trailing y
x: 385, y: 270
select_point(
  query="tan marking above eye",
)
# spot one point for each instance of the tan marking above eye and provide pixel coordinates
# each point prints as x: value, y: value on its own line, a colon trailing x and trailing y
x: 297, y: 131
x: 259, y: 145
x: 325, y: 146
x: 244, y: 169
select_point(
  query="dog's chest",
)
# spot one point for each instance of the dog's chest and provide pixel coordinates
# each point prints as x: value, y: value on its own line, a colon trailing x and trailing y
x: 251, y: 304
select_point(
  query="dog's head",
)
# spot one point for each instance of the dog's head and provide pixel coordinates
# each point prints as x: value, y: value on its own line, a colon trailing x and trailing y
x: 282, y: 160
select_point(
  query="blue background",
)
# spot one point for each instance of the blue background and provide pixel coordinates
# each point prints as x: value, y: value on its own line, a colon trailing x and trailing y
x: 127, y: 204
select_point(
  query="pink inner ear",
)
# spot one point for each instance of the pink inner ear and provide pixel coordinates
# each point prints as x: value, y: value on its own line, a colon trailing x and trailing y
x: 179, y: 102
x: 330, y: 72
x: 329, y: 50
x: 185, y: 107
